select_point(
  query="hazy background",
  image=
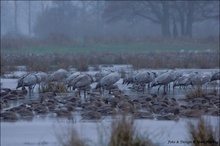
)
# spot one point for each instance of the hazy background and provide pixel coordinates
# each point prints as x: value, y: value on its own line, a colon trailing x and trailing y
x: 91, y: 22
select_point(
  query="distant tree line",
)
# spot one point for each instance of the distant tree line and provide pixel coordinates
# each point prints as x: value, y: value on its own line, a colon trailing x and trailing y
x: 79, y: 19
x: 165, y: 13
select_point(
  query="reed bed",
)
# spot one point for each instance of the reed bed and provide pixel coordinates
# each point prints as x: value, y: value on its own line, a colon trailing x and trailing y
x: 195, y: 92
x: 58, y: 87
x: 71, y: 138
x: 122, y: 133
x: 203, y: 133
x: 198, y: 92
x: 81, y: 61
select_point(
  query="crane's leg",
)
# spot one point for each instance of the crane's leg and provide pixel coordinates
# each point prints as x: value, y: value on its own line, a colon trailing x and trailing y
x: 29, y: 90
x: 32, y: 88
x: 158, y: 88
x: 79, y: 93
x: 166, y: 87
x: 85, y: 99
x: 144, y: 86
x: 148, y: 85
x: 109, y: 91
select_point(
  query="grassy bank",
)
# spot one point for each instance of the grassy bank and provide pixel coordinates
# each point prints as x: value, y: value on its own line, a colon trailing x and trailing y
x: 117, y: 44
x: 105, y: 48
x: 81, y: 61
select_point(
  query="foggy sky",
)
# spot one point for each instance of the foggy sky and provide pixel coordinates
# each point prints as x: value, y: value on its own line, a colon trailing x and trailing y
x: 87, y: 20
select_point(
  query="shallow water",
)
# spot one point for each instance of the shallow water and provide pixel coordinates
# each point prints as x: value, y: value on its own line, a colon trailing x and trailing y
x: 42, y: 130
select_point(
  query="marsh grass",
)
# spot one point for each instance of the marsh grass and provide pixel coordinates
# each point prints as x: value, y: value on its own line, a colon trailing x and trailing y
x: 81, y: 61
x: 124, y: 134
x: 195, y: 92
x: 198, y: 91
x: 81, y: 65
x: 203, y: 133
x: 38, y: 65
x: 5, y: 69
x: 71, y: 138
x: 122, y: 73
x: 58, y: 87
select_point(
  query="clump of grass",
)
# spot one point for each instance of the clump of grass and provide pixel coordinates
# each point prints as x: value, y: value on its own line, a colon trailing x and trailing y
x: 123, y: 134
x: 82, y: 66
x: 95, y: 67
x: 71, y: 138
x: 122, y: 73
x: 46, y: 87
x: 58, y: 87
x: 7, y: 69
x: 203, y: 134
x: 38, y: 65
x: 61, y: 87
x: 195, y: 92
x: 11, y: 68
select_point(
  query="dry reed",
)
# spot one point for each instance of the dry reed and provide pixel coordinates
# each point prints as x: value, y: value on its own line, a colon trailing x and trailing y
x: 203, y: 133
x: 123, y: 134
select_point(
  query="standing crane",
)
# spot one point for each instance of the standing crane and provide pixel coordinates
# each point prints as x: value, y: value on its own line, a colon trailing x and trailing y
x: 215, y: 76
x: 163, y: 79
x: 58, y: 75
x: 109, y: 80
x: 31, y: 79
x: 82, y: 82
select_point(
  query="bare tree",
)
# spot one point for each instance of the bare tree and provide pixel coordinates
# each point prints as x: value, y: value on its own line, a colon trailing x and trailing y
x: 165, y: 13
x: 29, y: 17
x: 56, y: 21
x: 15, y: 17
x: 188, y: 12
x: 157, y: 12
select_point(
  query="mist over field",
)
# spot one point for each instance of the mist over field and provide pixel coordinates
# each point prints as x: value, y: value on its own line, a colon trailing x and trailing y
x: 77, y: 25
x: 109, y: 73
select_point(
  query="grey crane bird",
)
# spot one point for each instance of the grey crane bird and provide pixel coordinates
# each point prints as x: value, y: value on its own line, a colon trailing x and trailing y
x: 163, y: 79
x: 82, y: 82
x: 108, y: 81
x: 71, y: 77
x: 99, y: 75
x: 29, y: 80
x: 58, y: 75
x: 215, y: 76
x: 129, y: 78
x: 182, y: 81
x: 175, y: 74
x: 42, y: 77
x: 206, y: 77
x: 143, y: 78
x: 199, y: 79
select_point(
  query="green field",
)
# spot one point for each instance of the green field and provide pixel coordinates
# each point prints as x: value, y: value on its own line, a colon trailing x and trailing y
x: 106, y: 48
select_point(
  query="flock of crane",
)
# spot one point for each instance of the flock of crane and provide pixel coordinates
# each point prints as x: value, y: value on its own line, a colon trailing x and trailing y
x: 150, y: 106
x: 106, y: 79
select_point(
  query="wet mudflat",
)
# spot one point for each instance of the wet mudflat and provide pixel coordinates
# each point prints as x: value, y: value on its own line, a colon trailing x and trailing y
x: 42, y: 129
